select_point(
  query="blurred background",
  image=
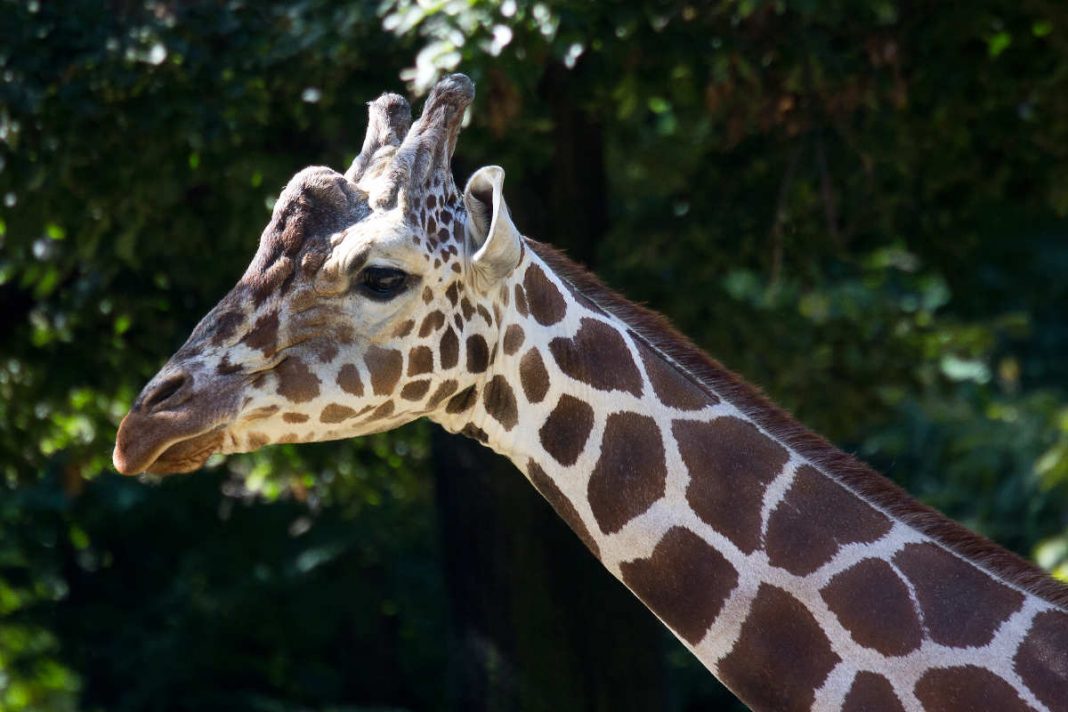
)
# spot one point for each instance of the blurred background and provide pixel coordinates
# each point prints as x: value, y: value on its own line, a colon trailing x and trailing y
x: 858, y: 204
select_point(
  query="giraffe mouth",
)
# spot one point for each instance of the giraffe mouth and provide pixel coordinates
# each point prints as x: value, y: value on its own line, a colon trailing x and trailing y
x: 187, y: 455
x: 143, y: 445
x: 179, y: 420
x: 137, y: 452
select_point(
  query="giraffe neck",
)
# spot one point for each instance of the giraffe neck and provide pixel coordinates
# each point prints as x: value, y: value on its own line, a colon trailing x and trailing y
x: 797, y: 577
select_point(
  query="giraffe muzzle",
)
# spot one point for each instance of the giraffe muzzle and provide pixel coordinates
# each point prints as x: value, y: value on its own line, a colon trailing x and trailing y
x: 173, y: 427
x: 135, y: 455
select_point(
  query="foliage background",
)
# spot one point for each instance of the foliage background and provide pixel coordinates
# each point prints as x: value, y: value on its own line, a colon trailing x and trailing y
x: 858, y: 204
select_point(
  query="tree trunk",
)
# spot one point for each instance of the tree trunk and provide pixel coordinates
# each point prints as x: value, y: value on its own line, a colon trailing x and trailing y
x: 538, y: 623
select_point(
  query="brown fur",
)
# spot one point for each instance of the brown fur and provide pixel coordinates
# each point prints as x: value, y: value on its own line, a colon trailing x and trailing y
x: 854, y: 475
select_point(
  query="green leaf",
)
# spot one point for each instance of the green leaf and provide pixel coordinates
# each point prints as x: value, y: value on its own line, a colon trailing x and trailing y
x: 998, y: 43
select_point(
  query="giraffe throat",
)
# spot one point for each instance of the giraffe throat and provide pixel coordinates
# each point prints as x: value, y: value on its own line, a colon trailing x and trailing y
x: 798, y: 576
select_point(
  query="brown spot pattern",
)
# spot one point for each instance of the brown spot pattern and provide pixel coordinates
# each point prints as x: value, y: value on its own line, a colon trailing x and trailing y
x: 671, y: 387
x: 597, y: 356
x: 344, y: 334
x: 873, y: 604
x: 1042, y: 659
x: 966, y: 688
x: 546, y: 304
x: 450, y: 349
x: 384, y: 366
x: 452, y: 293
x: 294, y: 417
x: 630, y: 474
x: 226, y: 325
x: 513, y: 339
x: 415, y: 390
x: 871, y: 693
x: 685, y: 582
x: 420, y: 360
x: 474, y: 432
x: 261, y: 413
x: 264, y: 335
x: 521, y: 301
x: 782, y: 656
x: 477, y: 354
x: 533, y: 376
x: 325, y: 351
x: 730, y: 464
x: 431, y: 323
x: 274, y: 277
x: 311, y: 262
x: 225, y: 368
x: 499, y: 401
x: 462, y: 400
x: 336, y: 413
x: 382, y: 411
x: 446, y: 389
x: 257, y: 440
x: 403, y: 329
x: 561, y: 504
x: 565, y: 431
x: 349, y: 380
x: 814, y: 519
x: 296, y: 382
x: 961, y: 605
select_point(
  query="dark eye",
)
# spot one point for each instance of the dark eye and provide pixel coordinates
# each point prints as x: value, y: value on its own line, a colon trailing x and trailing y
x: 382, y: 283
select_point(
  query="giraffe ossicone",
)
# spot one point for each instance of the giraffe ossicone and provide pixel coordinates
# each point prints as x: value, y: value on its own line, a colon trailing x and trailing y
x: 798, y: 576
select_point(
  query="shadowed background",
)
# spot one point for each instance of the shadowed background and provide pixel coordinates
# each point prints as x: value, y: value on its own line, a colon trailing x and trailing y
x: 859, y: 205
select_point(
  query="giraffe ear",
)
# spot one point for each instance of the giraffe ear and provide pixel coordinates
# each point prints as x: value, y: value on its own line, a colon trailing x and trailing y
x: 491, y: 236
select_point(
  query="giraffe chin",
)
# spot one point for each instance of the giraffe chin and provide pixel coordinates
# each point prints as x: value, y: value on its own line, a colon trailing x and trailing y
x: 187, y: 455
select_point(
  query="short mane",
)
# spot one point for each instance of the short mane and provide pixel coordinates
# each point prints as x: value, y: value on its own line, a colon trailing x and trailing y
x: 658, y: 333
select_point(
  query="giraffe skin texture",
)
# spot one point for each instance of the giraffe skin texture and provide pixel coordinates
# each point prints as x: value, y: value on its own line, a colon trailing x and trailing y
x: 798, y: 576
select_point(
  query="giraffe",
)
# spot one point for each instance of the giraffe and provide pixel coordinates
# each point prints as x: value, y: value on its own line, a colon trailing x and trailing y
x: 798, y: 576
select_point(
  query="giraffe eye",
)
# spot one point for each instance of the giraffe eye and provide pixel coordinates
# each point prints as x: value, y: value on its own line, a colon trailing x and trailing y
x: 382, y: 283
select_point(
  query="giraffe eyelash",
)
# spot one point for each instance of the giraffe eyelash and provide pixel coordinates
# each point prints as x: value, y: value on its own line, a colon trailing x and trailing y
x: 382, y: 284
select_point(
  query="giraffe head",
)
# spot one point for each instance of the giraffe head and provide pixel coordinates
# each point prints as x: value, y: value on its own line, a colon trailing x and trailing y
x: 362, y: 309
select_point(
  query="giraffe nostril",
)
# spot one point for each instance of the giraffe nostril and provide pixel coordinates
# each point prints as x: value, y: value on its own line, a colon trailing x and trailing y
x: 164, y: 392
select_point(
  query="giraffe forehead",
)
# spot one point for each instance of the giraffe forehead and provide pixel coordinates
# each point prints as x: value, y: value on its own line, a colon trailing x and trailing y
x: 323, y: 224
x: 381, y: 237
x: 316, y: 203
